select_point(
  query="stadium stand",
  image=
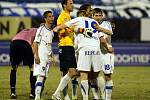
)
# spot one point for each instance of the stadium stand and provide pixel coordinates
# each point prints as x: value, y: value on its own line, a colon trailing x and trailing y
x: 94, y: 2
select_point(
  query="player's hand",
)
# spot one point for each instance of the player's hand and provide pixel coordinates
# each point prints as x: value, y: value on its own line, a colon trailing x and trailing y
x: 97, y: 27
x: 110, y: 50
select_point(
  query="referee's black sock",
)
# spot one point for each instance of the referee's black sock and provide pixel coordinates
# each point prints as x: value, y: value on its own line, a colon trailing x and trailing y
x: 13, y: 80
x: 32, y: 82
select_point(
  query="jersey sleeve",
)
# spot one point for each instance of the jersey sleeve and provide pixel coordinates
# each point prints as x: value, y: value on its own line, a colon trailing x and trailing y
x: 38, y: 35
x: 72, y: 22
x: 107, y: 25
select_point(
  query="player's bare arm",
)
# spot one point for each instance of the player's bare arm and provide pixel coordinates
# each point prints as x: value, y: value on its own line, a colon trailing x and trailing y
x: 104, y: 30
x: 36, y: 55
x: 60, y: 27
x: 105, y: 44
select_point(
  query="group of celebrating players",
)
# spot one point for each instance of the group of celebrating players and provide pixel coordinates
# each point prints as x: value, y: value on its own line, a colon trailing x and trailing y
x: 85, y: 50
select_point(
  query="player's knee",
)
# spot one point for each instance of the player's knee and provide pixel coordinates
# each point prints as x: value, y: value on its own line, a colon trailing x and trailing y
x: 107, y: 77
x: 72, y: 72
x: 83, y: 75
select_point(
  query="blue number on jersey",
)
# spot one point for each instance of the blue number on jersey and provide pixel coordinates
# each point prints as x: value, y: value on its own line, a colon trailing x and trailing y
x: 92, y: 25
x: 107, y: 67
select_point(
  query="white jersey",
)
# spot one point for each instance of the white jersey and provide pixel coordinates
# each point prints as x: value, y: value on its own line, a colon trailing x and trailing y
x: 108, y: 58
x: 106, y: 25
x: 86, y: 23
x: 44, y: 38
x: 88, y: 48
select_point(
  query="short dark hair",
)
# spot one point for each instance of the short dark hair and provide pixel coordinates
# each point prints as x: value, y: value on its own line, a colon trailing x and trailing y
x: 46, y: 13
x: 84, y: 6
x: 79, y: 12
x: 97, y: 10
x: 64, y: 2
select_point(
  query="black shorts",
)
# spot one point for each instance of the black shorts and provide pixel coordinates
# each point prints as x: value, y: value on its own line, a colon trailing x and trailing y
x: 67, y: 58
x: 21, y: 50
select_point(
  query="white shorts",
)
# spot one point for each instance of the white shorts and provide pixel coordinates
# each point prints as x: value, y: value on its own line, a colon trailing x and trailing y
x: 42, y: 68
x: 108, y: 66
x: 89, y: 58
x: 41, y: 71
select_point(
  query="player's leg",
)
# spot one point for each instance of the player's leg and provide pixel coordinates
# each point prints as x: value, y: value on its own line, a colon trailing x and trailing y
x: 65, y: 90
x: 84, y: 66
x: 75, y: 82
x: 29, y: 60
x: 32, y: 84
x: 67, y: 60
x: 13, y: 81
x: 84, y: 84
x: 101, y: 86
x: 41, y: 71
x: 15, y: 59
x: 74, y: 88
x: 97, y: 63
x: 108, y: 70
x: 109, y: 86
x: 94, y: 85
x: 64, y: 70
x: 64, y: 81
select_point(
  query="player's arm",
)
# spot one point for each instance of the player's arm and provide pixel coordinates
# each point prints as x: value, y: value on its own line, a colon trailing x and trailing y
x: 59, y: 28
x: 104, y: 30
x: 70, y: 25
x: 35, y: 46
x: 104, y: 43
x: 36, y: 55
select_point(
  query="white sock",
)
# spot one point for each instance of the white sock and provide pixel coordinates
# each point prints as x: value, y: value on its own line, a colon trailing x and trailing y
x: 65, y: 92
x: 38, y: 86
x: 63, y: 83
x: 84, y: 89
x: 101, y: 86
x: 66, y: 97
x: 74, y: 88
x: 109, y: 87
x: 94, y: 88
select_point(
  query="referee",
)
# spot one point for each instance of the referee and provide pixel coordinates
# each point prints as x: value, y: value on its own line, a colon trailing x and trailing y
x: 21, y: 50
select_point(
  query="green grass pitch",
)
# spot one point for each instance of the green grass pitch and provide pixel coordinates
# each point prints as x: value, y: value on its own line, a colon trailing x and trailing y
x: 130, y: 83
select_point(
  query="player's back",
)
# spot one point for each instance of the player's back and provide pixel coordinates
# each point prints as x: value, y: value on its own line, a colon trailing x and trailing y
x: 107, y: 25
x: 86, y: 23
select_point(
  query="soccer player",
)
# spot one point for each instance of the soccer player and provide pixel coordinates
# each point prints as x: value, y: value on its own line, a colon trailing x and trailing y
x: 21, y: 50
x: 92, y: 76
x: 108, y: 67
x: 66, y: 49
x: 87, y: 7
x: 43, y: 52
x: 83, y: 66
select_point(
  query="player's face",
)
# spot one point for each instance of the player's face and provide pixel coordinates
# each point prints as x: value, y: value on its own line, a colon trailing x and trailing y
x: 50, y: 18
x: 89, y: 11
x: 69, y: 5
x: 97, y: 16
